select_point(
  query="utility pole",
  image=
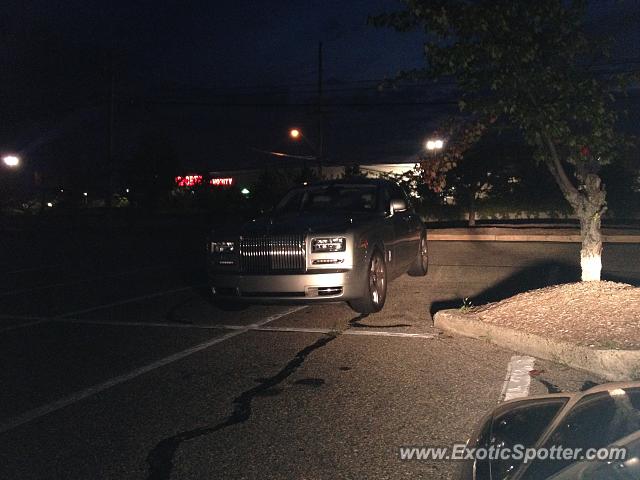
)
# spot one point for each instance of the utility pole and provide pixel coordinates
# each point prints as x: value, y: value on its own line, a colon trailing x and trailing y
x: 110, y: 132
x: 320, y: 113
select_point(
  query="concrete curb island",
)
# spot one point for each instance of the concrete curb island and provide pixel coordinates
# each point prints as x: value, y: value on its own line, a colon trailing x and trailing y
x: 528, y: 234
x: 614, y: 365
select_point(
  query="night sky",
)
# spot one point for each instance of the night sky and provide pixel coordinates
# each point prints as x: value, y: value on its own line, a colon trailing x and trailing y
x: 214, y: 81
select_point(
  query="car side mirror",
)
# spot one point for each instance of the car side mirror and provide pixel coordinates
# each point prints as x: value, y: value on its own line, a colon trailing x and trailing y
x: 397, y: 205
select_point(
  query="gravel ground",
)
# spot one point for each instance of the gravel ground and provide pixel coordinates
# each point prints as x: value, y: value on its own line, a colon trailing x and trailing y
x: 603, y: 315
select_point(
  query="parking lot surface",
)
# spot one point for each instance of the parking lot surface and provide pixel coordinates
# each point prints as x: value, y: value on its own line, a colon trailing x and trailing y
x: 118, y: 365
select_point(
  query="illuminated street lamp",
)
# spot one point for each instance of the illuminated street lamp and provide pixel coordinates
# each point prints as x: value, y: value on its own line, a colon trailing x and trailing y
x: 434, y: 144
x: 11, y: 161
x: 294, y: 133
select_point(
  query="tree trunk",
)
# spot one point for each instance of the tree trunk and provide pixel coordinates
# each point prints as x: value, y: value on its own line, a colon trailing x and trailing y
x: 588, y: 202
x: 472, y: 209
x: 590, y: 208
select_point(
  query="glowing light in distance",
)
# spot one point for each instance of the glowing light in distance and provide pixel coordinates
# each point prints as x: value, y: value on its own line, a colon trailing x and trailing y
x: 188, y: 180
x: 221, y: 182
x: 434, y: 144
x: 11, y: 160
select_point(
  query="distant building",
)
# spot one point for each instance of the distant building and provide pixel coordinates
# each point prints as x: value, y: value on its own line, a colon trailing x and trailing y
x: 229, y: 178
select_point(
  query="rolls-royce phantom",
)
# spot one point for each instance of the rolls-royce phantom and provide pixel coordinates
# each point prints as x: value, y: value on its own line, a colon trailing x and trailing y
x: 334, y: 241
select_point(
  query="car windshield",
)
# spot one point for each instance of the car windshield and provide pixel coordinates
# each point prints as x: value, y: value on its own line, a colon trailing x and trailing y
x: 330, y: 198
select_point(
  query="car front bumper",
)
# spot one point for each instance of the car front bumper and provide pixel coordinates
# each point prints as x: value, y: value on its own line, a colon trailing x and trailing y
x: 294, y: 288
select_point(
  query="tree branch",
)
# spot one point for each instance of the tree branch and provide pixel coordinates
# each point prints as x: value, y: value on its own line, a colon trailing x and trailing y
x: 563, y: 180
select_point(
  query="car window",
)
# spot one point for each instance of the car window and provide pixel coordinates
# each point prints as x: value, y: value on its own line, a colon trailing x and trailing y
x: 522, y: 425
x: 331, y: 198
x: 623, y: 469
x: 598, y: 420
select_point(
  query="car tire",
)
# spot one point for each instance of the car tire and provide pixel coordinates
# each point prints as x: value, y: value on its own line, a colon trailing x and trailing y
x: 375, y: 287
x: 420, y: 265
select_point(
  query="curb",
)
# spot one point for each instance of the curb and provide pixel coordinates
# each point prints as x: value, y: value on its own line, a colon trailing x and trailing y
x: 613, y: 365
x: 488, y: 237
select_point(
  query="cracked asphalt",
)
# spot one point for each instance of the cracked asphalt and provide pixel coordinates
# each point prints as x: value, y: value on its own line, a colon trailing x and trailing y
x: 124, y: 369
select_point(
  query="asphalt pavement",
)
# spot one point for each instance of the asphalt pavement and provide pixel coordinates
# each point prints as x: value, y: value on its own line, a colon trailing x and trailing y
x: 117, y: 365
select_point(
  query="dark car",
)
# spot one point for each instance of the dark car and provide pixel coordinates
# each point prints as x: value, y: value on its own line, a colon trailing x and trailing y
x: 333, y: 241
x: 589, y: 435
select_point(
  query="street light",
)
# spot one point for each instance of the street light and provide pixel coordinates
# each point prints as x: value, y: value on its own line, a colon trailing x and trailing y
x: 296, y: 134
x: 12, y: 161
x: 434, y: 144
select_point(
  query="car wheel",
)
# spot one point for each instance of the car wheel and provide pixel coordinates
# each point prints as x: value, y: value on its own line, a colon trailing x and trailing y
x: 375, y: 288
x: 420, y: 265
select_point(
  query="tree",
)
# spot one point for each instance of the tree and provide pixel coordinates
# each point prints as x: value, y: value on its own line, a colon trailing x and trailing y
x: 484, y: 172
x: 526, y: 62
x: 151, y: 170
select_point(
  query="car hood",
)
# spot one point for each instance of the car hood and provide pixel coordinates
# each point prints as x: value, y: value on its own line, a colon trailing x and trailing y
x: 299, y: 224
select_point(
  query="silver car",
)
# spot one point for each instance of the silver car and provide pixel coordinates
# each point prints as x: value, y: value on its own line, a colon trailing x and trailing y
x: 329, y: 242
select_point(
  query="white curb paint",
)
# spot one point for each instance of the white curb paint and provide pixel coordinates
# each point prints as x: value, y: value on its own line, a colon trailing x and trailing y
x: 88, y: 392
x: 518, y: 380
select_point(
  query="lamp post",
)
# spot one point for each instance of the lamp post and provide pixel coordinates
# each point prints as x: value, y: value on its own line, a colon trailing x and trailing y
x: 433, y: 146
x: 296, y: 134
x: 11, y: 162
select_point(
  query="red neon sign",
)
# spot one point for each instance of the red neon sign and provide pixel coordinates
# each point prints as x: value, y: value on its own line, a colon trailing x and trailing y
x: 221, y: 182
x: 188, y: 180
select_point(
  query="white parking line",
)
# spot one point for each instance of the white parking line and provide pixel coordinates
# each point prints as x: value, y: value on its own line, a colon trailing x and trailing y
x: 37, y: 320
x: 22, y: 325
x: 140, y: 324
x: 85, y: 280
x: 127, y: 300
x: 253, y: 326
x: 88, y: 392
x: 28, y: 320
x: 22, y: 317
x: 364, y: 333
x: 33, y: 269
x: 518, y: 380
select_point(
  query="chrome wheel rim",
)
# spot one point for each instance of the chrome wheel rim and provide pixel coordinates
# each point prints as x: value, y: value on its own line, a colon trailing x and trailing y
x: 377, y: 279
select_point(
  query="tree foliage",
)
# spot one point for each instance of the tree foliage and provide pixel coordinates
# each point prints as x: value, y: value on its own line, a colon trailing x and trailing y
x: 527, y: 62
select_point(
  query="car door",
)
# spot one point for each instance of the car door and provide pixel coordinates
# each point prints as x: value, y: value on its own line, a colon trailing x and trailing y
x: 415, y: 227
x: 405, y: 230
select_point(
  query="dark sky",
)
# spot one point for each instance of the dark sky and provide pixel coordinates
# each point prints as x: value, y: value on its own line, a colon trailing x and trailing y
x: 175, y: 62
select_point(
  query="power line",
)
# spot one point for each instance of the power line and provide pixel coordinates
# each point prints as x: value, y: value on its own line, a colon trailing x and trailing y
x: 399, y: 87
x: 205, y: 103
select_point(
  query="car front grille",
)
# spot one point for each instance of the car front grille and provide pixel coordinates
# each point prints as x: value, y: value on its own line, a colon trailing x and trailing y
x: 272, y: 254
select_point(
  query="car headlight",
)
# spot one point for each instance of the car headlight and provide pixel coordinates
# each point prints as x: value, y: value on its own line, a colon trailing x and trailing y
x: 329, y: 244
x: 223, y: 247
